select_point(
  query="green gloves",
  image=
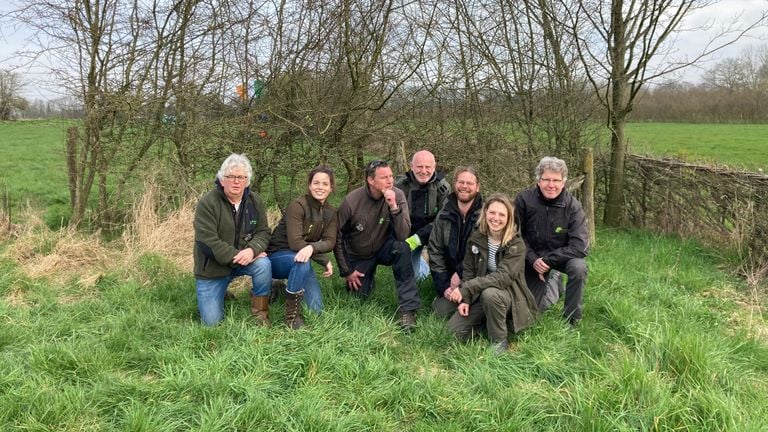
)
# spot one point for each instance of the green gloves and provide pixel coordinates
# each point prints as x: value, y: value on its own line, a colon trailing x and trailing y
x: 413, y: 241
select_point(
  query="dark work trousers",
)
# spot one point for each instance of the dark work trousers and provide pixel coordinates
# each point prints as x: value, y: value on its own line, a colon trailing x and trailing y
x: 491, y: 310
x: 398, y: 255
x: 443, y: 307
x: 546, y: 294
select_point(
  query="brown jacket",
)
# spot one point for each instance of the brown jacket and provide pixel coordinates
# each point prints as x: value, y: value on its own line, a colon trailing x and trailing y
x: 306, y: 222
x: 365, y: 224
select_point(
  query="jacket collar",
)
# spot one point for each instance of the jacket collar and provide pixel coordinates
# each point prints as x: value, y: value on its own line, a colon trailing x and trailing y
x: 314, y: 203
x: 368, y: 193
x: 452, y: 206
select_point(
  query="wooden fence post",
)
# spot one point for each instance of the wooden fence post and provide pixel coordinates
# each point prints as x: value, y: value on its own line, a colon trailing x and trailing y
x: 588, y: 192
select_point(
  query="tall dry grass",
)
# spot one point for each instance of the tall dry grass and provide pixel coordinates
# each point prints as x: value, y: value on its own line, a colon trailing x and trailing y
x: 66, y: 254
x: 60, y: 255
x: 170, y: 236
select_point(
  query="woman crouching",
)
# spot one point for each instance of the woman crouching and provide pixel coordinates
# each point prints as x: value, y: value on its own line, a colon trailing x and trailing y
x: 493, y: 293
x: 306, y: 232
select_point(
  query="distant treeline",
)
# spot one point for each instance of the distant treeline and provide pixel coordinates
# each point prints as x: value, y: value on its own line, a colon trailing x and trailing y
x: 702, y: 104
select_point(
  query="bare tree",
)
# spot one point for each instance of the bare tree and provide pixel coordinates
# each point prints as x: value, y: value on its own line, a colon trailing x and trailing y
x: 330, y: 71
x: 126, y: 62
x: 620, y: 43
x: 509, y: 76
x: 11, y: 102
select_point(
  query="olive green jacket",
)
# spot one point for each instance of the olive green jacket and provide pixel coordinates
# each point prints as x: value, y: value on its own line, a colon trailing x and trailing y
x: 220, y: 233
x: 509, y: 275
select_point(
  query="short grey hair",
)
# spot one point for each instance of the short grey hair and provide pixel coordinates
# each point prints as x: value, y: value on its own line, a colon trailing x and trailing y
x: 551, y: 163
x: 233, y: 162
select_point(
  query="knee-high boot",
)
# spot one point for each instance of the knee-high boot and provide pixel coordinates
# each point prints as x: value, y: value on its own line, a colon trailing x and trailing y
x: 293, y: 317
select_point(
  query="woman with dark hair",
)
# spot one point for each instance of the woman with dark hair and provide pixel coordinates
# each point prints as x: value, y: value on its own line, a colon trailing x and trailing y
x: 493, y: 293
x: 306, y: 231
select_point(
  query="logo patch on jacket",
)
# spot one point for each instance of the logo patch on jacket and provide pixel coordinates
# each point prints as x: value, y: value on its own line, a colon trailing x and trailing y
x: 475, y: 250
x: 359, y: 227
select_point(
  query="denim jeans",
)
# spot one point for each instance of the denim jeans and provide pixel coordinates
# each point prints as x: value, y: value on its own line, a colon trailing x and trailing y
x: 210, y: 292
x: 300, y: 276
x: 420, y: 266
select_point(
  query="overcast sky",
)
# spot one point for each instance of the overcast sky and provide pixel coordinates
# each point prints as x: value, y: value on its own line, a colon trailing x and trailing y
x: 688, y: 43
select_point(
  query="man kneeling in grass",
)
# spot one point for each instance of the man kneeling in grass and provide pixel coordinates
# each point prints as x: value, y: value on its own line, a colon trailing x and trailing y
x: 231, y: 237
x: 554, y: 228
x: 373, y: 223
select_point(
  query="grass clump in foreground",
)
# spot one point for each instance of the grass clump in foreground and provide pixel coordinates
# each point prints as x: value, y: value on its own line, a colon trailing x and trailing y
x: 664, y: 346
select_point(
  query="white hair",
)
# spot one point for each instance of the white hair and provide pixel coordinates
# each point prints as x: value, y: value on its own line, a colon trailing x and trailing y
x: 235, y: 161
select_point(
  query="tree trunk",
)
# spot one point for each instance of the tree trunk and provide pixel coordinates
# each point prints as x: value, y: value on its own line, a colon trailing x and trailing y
x: 614, y: 206
x: 618, y: 111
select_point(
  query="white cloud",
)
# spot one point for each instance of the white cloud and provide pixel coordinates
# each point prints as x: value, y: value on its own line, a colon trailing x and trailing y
x: 701, y: 26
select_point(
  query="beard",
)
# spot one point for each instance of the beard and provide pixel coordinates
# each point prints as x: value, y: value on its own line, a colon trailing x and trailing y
x: 465, y: 200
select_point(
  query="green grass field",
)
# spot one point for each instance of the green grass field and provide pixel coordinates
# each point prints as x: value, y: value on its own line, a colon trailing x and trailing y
x: 33, y: 169
x: 668, y: 342
x: 741, y: 146
x: 665, y: 344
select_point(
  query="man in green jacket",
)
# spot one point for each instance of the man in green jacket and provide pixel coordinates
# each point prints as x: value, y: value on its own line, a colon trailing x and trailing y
x: 231, y: 237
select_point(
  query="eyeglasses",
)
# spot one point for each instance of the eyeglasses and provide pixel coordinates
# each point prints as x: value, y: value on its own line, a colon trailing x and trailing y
x: 552, y: 181
x: 233, y: 178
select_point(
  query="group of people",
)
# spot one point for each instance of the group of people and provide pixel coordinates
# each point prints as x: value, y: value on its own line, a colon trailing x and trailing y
x: 496, y: 264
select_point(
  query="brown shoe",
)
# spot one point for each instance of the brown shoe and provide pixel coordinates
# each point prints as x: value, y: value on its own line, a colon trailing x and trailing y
x: 260, y: 309
x: 407, y: 321
x: 293, y: 317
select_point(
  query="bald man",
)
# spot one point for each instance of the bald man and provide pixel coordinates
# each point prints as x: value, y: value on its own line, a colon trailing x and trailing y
x: 426, y: 191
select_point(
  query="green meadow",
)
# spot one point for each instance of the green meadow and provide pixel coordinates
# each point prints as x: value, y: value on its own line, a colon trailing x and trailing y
x: 667, y: 343
x: 33, y: 169
x: 739, y: 146
x: 670, y: 341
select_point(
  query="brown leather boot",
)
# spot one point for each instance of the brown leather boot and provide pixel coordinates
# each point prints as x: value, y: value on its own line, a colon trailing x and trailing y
x: 293, y: 317
x: 260, y: 309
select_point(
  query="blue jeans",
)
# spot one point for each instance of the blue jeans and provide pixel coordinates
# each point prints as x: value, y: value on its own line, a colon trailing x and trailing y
x: 210, y: 292
x: 420, y: 267
x: 300, y: 276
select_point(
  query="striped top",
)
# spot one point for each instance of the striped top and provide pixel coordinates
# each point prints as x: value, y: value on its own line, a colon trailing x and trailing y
x: 492, y: 249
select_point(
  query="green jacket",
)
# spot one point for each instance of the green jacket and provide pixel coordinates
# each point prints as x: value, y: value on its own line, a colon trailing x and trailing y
x: 220, y: 233
x: 509, y: 275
